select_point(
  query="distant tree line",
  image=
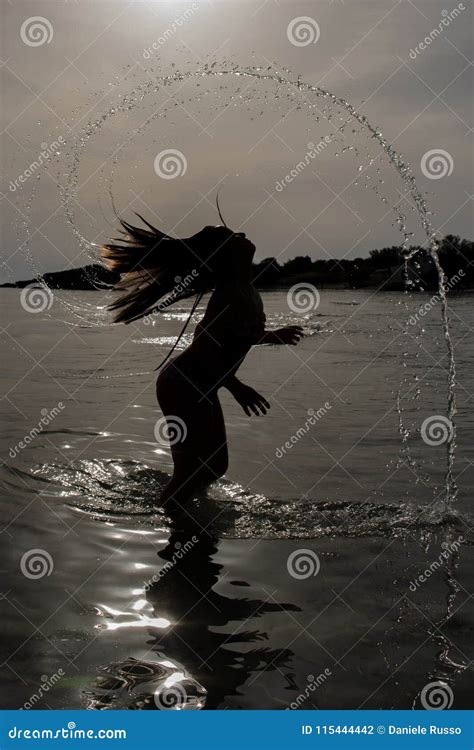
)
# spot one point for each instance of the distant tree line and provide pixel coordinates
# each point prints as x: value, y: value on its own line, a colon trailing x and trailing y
x: 382, y: 265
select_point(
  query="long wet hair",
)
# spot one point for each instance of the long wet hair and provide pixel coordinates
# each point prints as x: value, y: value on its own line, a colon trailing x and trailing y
x: 158, y: 270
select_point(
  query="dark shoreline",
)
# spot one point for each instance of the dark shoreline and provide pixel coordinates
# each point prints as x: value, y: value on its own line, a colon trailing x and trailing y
x: 382, y: 270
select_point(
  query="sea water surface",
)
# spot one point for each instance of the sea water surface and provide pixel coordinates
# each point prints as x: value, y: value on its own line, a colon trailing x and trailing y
x: 321, y: 572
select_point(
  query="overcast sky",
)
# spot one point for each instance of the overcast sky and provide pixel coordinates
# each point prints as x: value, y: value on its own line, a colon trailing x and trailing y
x: 68, y: 68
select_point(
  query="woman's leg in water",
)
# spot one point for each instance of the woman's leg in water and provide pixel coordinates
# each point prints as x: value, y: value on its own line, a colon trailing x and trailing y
x: 200, y: 454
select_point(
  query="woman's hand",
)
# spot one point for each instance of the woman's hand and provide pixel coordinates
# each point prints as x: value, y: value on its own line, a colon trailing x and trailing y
x: 250, y: 400
x: 288, y: 335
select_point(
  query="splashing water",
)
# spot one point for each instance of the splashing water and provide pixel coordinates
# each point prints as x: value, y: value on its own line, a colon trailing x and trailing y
x: 307, y: 97
x: 114, y: 489
x: 139, y: 684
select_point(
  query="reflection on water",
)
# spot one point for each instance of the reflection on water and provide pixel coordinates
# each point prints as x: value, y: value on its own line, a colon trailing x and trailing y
x: 129, y: 619
x: 191, y: 652
x: 187, y: 595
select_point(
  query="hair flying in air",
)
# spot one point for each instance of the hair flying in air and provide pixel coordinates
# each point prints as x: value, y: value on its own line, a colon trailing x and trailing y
x: 158, y: 270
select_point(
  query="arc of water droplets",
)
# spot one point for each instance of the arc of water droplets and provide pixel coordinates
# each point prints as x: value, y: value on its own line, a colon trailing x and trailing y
x: 130, y: 100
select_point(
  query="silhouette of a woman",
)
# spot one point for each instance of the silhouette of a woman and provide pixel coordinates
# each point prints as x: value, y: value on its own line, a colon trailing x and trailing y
x: 157, y: 271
